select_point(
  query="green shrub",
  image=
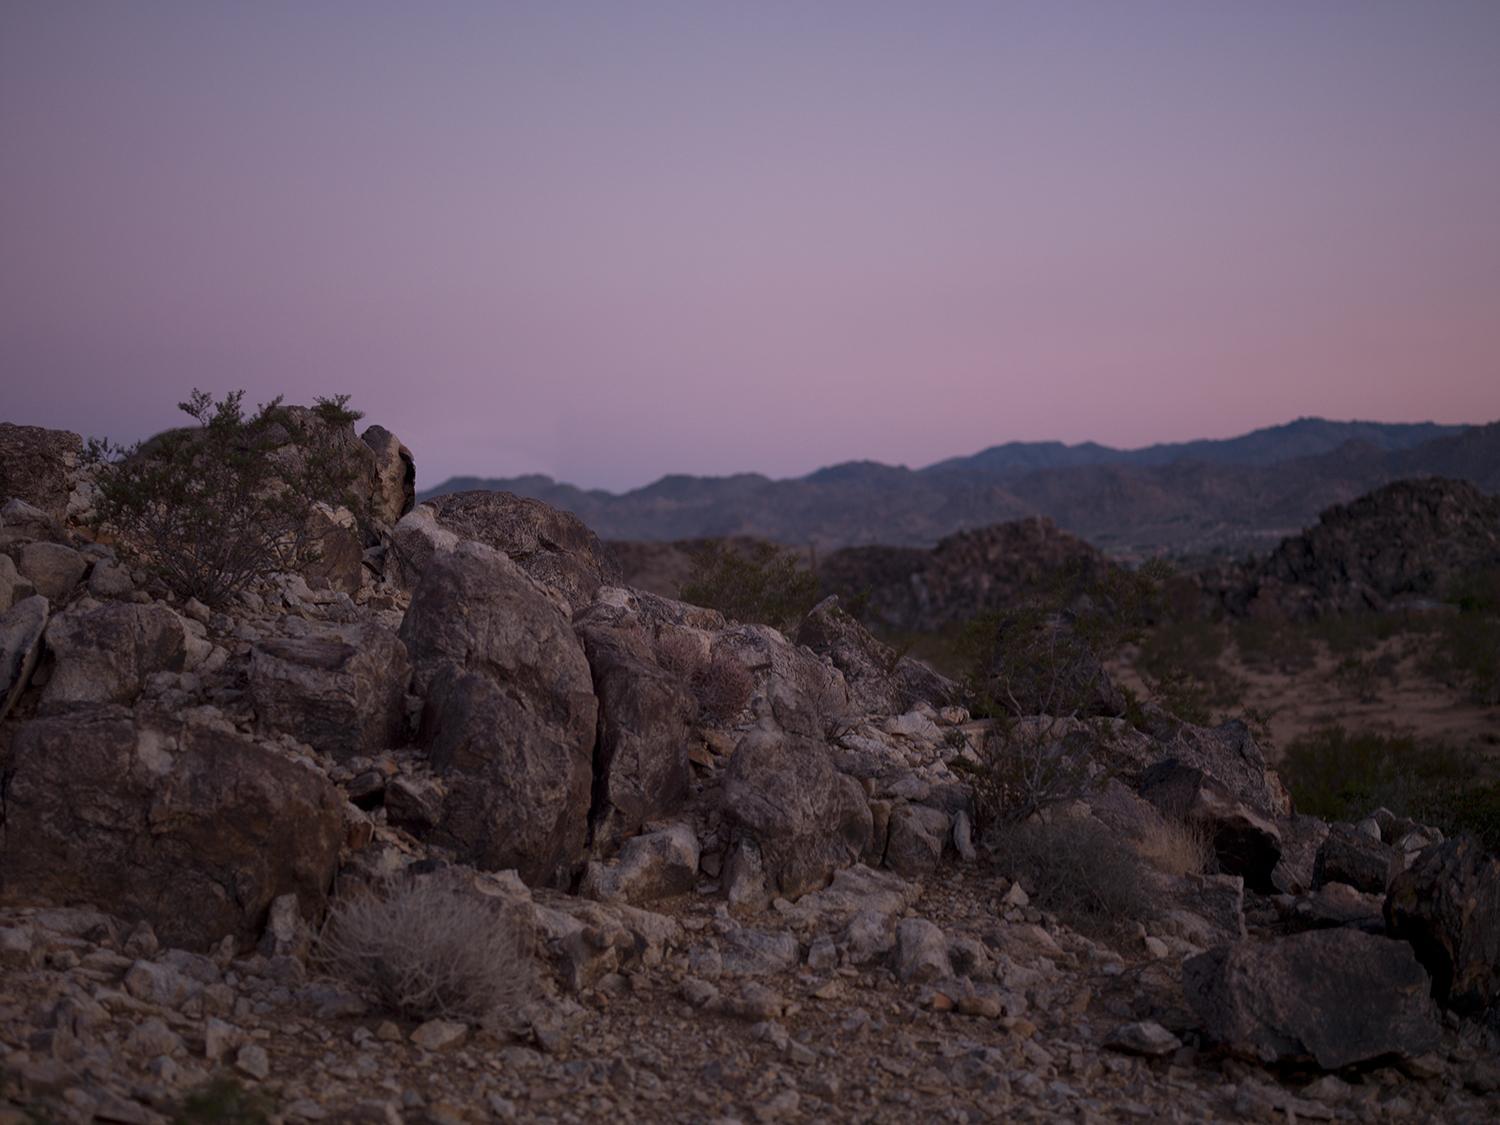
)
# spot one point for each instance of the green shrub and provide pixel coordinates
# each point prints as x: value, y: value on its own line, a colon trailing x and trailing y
x: 759, y: 584
x: 224, y: 1102
x: 210, y: 508
x: 1078, y: 870
x: 1342, y: 776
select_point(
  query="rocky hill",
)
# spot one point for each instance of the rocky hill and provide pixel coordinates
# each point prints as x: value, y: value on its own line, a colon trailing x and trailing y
x: 1412, y: 542
x: 446, y: 825
x: 1246, y: 492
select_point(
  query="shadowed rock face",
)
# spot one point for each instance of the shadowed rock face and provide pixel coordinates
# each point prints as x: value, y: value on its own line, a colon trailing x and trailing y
x: 1334, y: 997
x: 509, y: 716
x: 38, y: 466
x: 1447, y: 904
x: 192, y: 829
x: 555, y: 548
x: 104, y: 655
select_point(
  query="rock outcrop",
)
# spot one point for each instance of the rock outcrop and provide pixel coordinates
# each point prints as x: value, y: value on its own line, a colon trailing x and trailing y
x: 1447, y: 904
x: 106, y: 654
x: 39, y: 466
x: 509, y: 713
x: 192, y: 829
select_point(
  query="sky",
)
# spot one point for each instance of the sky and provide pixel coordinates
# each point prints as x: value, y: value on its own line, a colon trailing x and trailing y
x: 608, y: 241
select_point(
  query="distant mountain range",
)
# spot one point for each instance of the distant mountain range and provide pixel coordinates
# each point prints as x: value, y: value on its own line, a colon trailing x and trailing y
x: 1187, y: 497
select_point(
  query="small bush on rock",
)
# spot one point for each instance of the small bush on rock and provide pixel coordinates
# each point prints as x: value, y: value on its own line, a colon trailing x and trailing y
x: 759, y: 584
x: 425, y: 950
x: 1078, y: 870
x: 210, y: 508
x: 722, y: 687
x: 1176, y: 848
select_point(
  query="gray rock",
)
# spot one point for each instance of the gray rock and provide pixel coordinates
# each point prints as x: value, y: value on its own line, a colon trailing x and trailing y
x: 1333, y: 997
x: 106, y: 654
x: 880, y: 682
x: 556, y: 548
x: 13, y: 588
x: 654, y: 866
x: 38, y: 466
x: 413, y: 542
x: 808, y: 819
x: 415, y: 804
x: 1447, y: 904
x: 189, y: 828
x: 914, y: 846
x: 53, y: 569
x: 641, y: 763
x: 394, y: 489
x: 1245, y: 842
x: 110, y: 580
x: 341, y: 690
x: 1351, y: 856
x: 21, y: 629
x: 1146, y: 1038
x: 921, y: 952
x: 802, y: 693
x: 509, y: 716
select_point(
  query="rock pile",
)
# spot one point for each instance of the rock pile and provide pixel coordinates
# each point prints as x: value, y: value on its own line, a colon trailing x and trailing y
x: 750, y: 864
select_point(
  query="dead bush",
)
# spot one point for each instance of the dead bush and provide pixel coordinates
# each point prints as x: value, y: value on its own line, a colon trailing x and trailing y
x: 722, y: 687
x: 680, y: 656
x: 1177, y: 848
x: 424, y: 949
x: 1078, y: 870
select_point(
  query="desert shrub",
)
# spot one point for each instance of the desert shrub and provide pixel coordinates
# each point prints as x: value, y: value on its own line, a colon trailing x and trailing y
x: 210, y: 508
x: 1181, y: 664
x: 758, y: 584
x: 1175, y: 847
x: 679, y: 655
x: 1078, y: 870
x: 1275, y: 644
x: 1026, y: 765
x: 1366, y: 676
x: 224, y: 1101
x: 1466, y: 654
x: 424, y: 949
x: 723, y: 687
x: 1340, y: 775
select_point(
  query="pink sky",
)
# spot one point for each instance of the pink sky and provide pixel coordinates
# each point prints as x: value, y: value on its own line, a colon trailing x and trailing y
x: 610, y: 241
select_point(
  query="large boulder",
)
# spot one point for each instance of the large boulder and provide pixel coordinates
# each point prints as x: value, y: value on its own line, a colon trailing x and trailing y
x: 881, y: 682
x: 53, y: 569
x: 1245, y: 842
x: 189, y: 828
x: 509, y: 713
x: 641, y: 767
x: 807, y: 819
x: 394, y: 489
x: 1447, y: 905
x: 1332, y: 997
x: 342, y: 690
x: 802, y: 692
x: 105, y: 654
x: 21, y: 628
x: 39, y: 466
x: 1349, y: 856
x: 556, y: 548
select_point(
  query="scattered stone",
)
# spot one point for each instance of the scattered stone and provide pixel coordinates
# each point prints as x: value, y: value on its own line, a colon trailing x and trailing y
x: 440, y: 1035
x: 1145, y: 1038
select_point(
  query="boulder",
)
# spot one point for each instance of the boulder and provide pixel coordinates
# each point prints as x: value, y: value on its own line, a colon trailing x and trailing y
x: 1332, y: 997
x: 1447, y: 905
x: 338, y: 550
x: 394, y: 489
x: 191, y: 829
x: 21, y: 628
x: 105, y: 654
x: 39, y: 466
x: 54, y: 570
x: 509, y: 713
x: 13, y: 588
x: 341, y: 690
x: 641, y: 767
x: 556, y: 548
x: 803, y: 693
x: 921, y: 952
x: 1348, y: 855
x: 1245, y: 842
x: 880, y: 681
x: 1301, y: 839
x: 650, y: 867
x: 914, y: 844
x: 809, y: 820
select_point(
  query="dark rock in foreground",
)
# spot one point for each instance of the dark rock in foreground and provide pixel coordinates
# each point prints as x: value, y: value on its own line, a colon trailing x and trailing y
x: 1447, y: 904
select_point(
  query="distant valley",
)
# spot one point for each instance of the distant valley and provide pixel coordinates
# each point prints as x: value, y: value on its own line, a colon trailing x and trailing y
x: 1235, y: 494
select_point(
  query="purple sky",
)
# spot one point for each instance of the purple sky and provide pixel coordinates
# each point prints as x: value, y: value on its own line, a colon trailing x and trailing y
x: 609, y: 241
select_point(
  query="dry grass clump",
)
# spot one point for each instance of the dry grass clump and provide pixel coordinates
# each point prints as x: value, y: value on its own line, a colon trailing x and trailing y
x: 1175, y: 847
x: 1078, y: 870
x: 679, y: 655
x: 424, y: 949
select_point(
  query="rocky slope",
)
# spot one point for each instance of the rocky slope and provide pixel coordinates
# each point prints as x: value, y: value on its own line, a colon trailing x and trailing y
x: 748, y: 864
x: 1238, y: 494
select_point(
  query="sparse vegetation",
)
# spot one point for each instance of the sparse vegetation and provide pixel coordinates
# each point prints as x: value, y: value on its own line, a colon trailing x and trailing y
x: 1177, y: 848
x: 1026, y: 765
x: 425, y: 949
x: 1078, y: 870
x: 721, y: 685
x: 224, y: 1101
x: 1340, y: 775
x: 755, y: 584
x: 210, y: 508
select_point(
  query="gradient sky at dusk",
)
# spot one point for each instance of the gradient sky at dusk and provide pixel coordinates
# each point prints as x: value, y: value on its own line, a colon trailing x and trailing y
x: 608, y: 241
